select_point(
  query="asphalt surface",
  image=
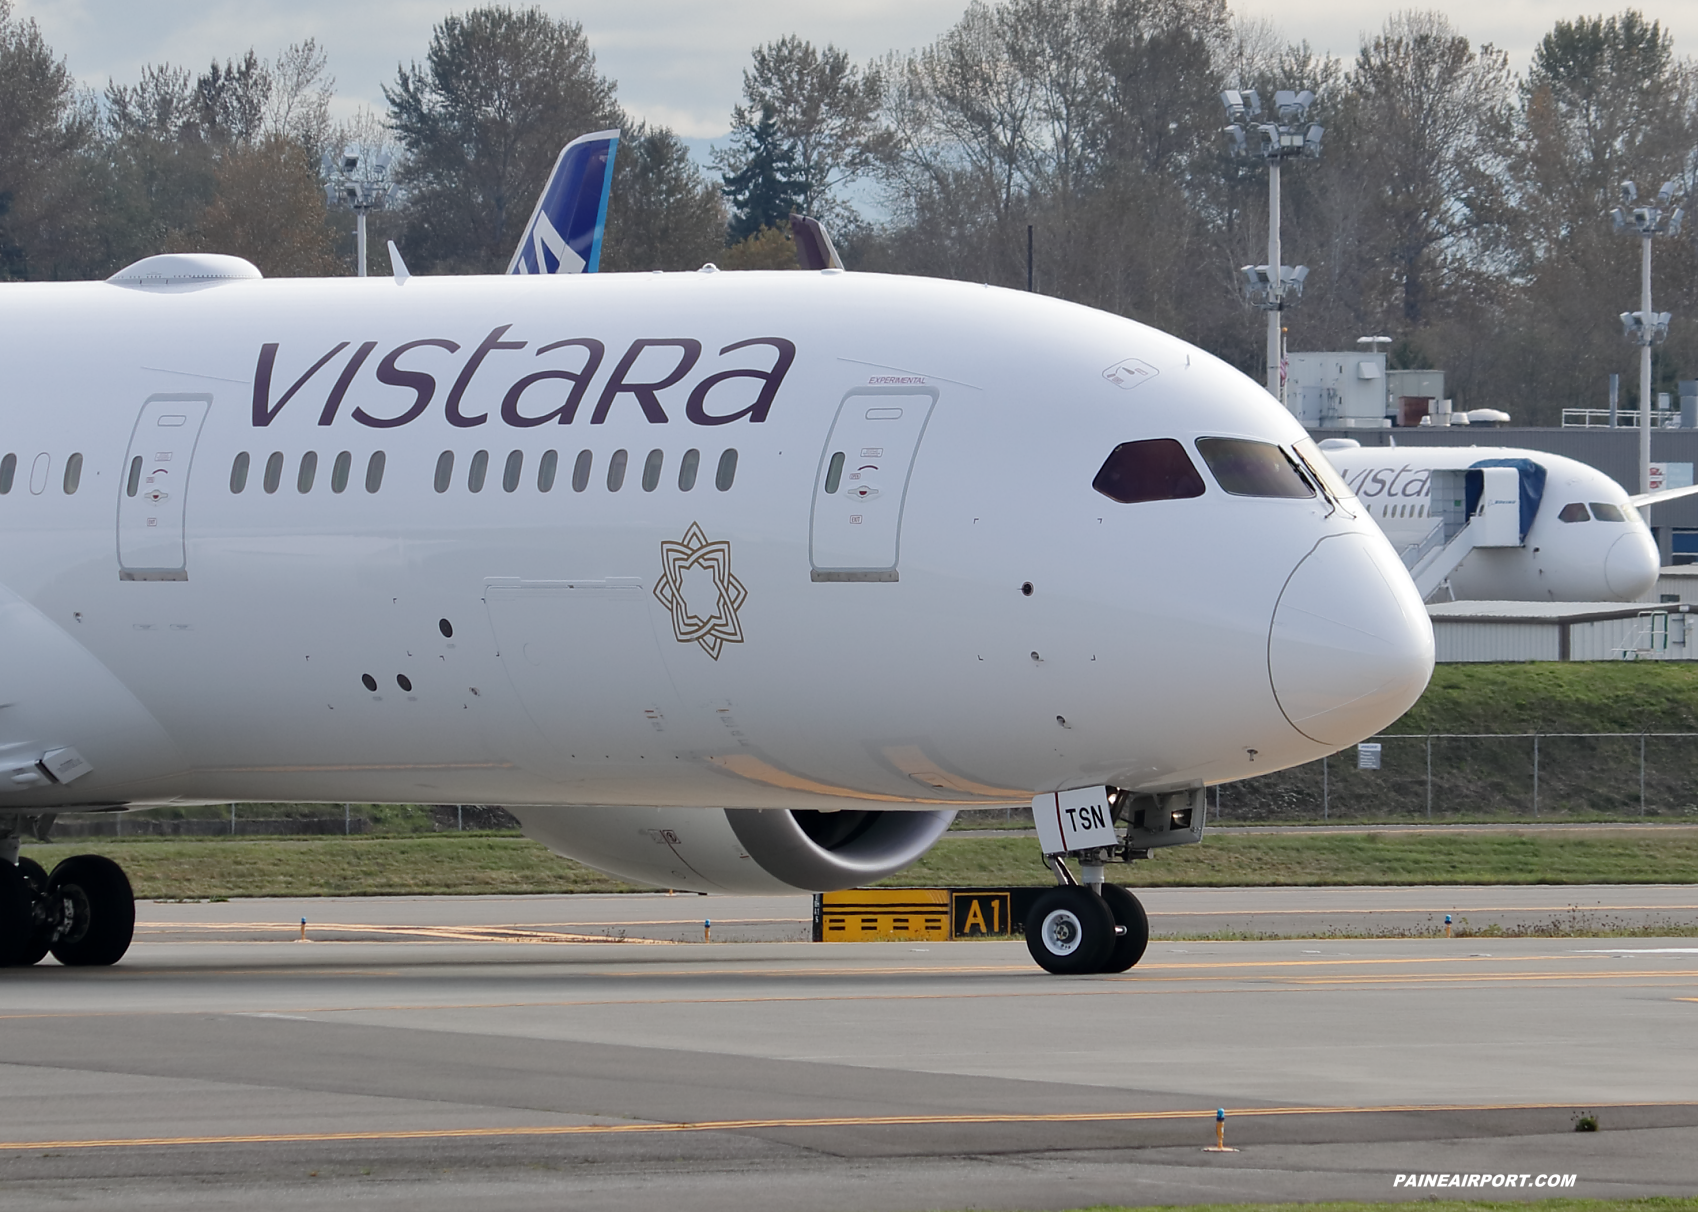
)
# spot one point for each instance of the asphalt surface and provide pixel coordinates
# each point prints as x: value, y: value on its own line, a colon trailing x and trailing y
x: 1174, y: 912
x: 467, y: 1052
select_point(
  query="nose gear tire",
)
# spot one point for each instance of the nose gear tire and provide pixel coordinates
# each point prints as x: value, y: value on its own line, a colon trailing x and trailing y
x: 1070, y: 931
x: 1127, y: 949
x: 102, y: 911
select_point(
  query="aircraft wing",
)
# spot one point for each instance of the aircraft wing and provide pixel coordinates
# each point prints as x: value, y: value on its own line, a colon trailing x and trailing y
x: 1666, y: 494
x: 564, y: 232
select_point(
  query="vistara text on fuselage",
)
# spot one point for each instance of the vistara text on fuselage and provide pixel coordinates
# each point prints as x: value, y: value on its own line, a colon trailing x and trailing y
x: 738, y: 540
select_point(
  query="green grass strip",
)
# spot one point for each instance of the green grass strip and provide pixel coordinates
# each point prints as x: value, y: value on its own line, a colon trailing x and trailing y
x: 1234, y: 859
x: 470, y: 865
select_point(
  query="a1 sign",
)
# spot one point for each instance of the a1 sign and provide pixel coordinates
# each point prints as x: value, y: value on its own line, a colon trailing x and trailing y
x: 1074, y: 820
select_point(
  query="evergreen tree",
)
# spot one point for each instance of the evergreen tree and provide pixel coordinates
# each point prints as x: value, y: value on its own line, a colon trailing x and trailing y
x: 765, y: 190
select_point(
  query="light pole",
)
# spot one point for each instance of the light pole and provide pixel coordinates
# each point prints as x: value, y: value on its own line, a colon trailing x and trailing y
x: 1288, y: 136
x: 1645, y: 327
x: 360, y: 181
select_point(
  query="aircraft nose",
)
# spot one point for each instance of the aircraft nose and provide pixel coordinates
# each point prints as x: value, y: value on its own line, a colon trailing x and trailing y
x: 1630, y: 569
x: 1351, y: 647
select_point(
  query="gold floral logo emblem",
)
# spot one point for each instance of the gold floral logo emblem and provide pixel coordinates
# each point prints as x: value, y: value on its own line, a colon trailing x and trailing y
x: 697, y: 587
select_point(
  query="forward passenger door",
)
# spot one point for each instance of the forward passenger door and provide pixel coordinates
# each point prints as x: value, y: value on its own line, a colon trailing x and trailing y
x: 855, y: 529
x: 153, y: 491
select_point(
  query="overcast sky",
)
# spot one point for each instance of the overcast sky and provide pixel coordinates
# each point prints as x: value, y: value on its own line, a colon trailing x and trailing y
x: 678, y: 62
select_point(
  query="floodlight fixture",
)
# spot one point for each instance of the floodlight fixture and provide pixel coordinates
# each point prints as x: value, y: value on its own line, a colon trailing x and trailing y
x: 1261, y: 291
x: 1646, y: 327
x: 1287, y: 134
x: 359, y: 180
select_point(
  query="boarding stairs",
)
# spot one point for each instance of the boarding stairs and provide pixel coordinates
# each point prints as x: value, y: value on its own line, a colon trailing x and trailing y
x: 1494, y: 522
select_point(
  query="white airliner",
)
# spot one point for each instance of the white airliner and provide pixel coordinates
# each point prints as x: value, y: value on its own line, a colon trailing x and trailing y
x: 1570, y: 532
x: 721, y: 581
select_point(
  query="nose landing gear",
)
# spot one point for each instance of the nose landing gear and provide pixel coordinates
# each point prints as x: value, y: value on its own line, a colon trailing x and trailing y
x: 1091, y: 926
x: 84, y: 913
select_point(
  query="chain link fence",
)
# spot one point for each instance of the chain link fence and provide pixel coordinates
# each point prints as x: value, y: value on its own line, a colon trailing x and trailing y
x: 1440, y: 776
x: 1533, y: 776
x: 287, y: 820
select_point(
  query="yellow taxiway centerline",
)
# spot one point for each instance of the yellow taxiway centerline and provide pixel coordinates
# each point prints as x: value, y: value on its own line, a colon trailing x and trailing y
x: 745, y: 1125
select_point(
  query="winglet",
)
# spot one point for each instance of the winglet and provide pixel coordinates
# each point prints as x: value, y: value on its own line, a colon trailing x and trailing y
x: 397, y: 265
x: 565, y: 230
x: 814, y: 249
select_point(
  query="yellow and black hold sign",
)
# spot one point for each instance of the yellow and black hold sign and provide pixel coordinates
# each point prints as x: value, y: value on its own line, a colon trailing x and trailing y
x: 919, y: 914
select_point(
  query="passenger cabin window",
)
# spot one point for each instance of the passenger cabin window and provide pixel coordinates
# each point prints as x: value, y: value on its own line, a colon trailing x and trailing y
x: 339, y: 471
x: 309, y: 470
x: 616, y: 470
x: 687, y: 468
x: 238, y: 474
x: 1575, y: 512
x: 1253, y: 469
x: 134, y: 481
x: 651, y: 470
x: 727, y: 473
x: 1605, y: 512
x: 444, y: 470
x: 73, y: 473
x: 546, y: 468
x: 834, y: 473
x: 374, y: 471
x: 581, y: 471
x: 511, y: 471
x: 1155, y: 469
x: 9, y: 473
x: 479, y: 470
x: 273, y: 471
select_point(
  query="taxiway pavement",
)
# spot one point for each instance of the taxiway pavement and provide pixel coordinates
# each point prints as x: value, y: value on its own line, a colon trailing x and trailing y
x: 488, y: 1064
x: 1174, y: 912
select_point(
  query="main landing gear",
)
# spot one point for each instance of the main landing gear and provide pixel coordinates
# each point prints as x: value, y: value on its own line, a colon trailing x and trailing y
x: 1074, y: 930
x: 84, y: 912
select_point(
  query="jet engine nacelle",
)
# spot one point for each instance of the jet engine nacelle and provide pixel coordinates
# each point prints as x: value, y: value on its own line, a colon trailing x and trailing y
x: 754, y: 850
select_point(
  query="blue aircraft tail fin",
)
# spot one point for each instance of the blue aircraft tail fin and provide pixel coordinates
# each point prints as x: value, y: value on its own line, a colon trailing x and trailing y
x: 564, y: 234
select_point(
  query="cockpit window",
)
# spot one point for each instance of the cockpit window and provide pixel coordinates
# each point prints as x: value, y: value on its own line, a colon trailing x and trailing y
x: 1156, y: 469
x: 1575, y: 512
x: 1319, y: 466
x: 1605, y: 512
x: 1253, y: 469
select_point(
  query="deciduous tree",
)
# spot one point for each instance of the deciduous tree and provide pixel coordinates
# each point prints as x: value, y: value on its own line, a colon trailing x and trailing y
x: 500, y: 92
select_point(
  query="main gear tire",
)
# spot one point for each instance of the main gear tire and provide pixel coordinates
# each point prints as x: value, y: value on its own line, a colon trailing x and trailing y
x: 1070, y: 931
x: 17, y: 919
x: 1128, y: 948
x: 95, y: 911
x: 36, y: 944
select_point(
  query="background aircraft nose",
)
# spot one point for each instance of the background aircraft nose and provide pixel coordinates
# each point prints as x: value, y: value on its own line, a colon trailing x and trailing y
x: 1351, y: 647
x: 1630, y: 569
